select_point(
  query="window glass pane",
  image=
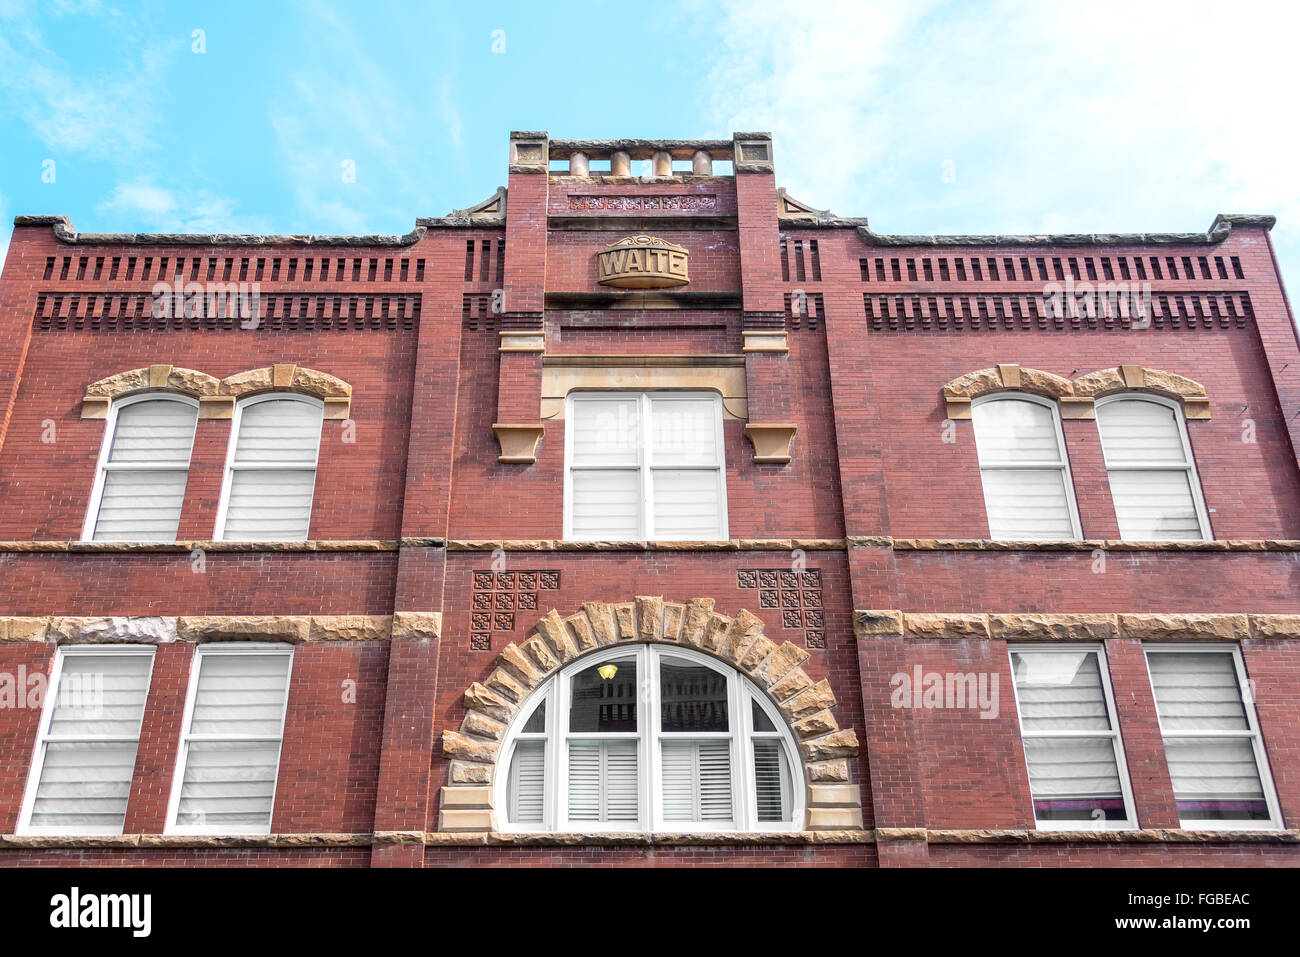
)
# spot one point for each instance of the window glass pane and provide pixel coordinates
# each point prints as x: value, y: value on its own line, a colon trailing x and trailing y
x: 1215, y: 779
x: 84, y: 785
x: 1059, y: 691
x: 1197, y: 691
x: 1074, y: 779
x: 603, y: 781
x: 101, y: 696
x: 278, y: 430
x: 606, y: 431
x: 606, y: 504
x: 684, y: 431
x: 536, y: 723
x: 1154, y: 505
x: 140, y: 505
x: 228, y: 785
x: 1017, y: 431
x: 527, y: 783
x: 1027, y: 504
x: 269, y: 505
x: 605, y: 704
x: 240, y: 694
x: 772, y: 779
x: 692, y: 698
x: 1136, y: 432
x: 761, y: 721
x: 154, y: 432
x: 697, y: 780
x: 687, y: 504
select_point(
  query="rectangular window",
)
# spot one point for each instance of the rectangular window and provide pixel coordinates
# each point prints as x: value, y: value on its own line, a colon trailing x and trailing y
x: 85, y: 752
x: 645, y: 466
x: 1211, y: 735
x: 230, y: 749
x: 1073, y: 751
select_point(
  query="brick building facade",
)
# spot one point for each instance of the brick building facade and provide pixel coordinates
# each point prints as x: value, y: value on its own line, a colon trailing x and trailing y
x: 877, y: 593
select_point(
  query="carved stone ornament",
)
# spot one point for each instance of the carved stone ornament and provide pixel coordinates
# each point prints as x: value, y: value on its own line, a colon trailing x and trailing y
x: 643, y: 262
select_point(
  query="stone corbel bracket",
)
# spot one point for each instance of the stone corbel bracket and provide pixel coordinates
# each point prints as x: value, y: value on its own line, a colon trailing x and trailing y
x: 1033, y: 626
x: 492, y: 704
x: 1075, y: 397
x: 765, y: 340
x: 771, y: 441
x: 518, y: 442
x: 161, y: 377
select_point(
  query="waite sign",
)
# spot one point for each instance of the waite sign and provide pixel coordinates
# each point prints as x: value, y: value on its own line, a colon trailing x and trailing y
x: 643, y: 262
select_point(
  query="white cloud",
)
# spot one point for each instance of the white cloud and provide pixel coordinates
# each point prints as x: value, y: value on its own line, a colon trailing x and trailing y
x: 160, y: 209
x: 1121, y: 116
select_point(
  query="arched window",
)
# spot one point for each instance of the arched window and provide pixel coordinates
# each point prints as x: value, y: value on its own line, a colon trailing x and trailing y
x: 649, y: 738
x: 144, y: 465
x: 1028, y: 492
x: 1153, y: 479
x: 271, y: 469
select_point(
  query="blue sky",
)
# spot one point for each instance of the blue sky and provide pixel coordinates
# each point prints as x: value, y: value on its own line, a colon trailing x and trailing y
x: 925, y: 116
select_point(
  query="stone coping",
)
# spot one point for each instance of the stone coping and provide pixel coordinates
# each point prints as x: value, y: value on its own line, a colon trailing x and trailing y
x: 1083, y: 627
x: 722, y: 545
x: 665, y: 839
x: 1219, y: 231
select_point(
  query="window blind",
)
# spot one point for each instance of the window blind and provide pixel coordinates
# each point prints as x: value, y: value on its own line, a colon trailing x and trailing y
x: 89, y: 744
x: 1069, y: 740
x: 696, y: 780
x: 1023, y: 469
x: 603, y: 782
x: 273, y: 471
x: 1150, y: 471
x: 233, y: 742
x: 528, y: 783
x: 142, y: 485
x: 1209, y: 741
x: 772, y: 780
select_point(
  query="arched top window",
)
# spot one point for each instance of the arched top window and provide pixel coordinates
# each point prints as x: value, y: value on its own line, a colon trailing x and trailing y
x: 271, y: 469
x: 1028, y: 491
x: 1153, y: 479
x: 144, y: 465
x: 649, y: 738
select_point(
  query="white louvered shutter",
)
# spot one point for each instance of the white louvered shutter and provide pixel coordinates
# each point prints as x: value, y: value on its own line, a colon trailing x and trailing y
x: 603, y: 781
x: 273, y: 471
x: 696, y: 780
x: 90, y: 743
x: 233, y: 742
x: 1209, y: 741
x: 527, y: 787
x: 144, y: 471
x: 1152, y: 479
x: 1069, y: 737
x: 772, y: 781
x: 1024, y: 473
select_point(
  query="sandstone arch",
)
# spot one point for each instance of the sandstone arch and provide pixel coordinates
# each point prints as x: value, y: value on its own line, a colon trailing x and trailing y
x: 161, y: 377
x: 287, y: 377
x: 739, y: 641
x: 1132, y: 378
x: 959, y: 392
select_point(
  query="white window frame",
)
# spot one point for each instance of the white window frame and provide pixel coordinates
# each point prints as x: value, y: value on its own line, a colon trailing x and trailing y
x: 1193, y: 477
x: 219, y: 534
x: 557, y: 691
x: 103, y: 466
x: 1117, y: 739
x: 43, y: 736
x: 645, y: 466
x: 1014, y: 465
x: 235, y: 648
x: 1252, y: 732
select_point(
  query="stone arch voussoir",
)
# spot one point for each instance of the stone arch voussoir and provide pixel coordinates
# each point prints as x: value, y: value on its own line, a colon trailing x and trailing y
x: 1133, y: 378
x: 808, y: 706
x: 161, y: 377
x: 287, y: 377
x: 959, y: 392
